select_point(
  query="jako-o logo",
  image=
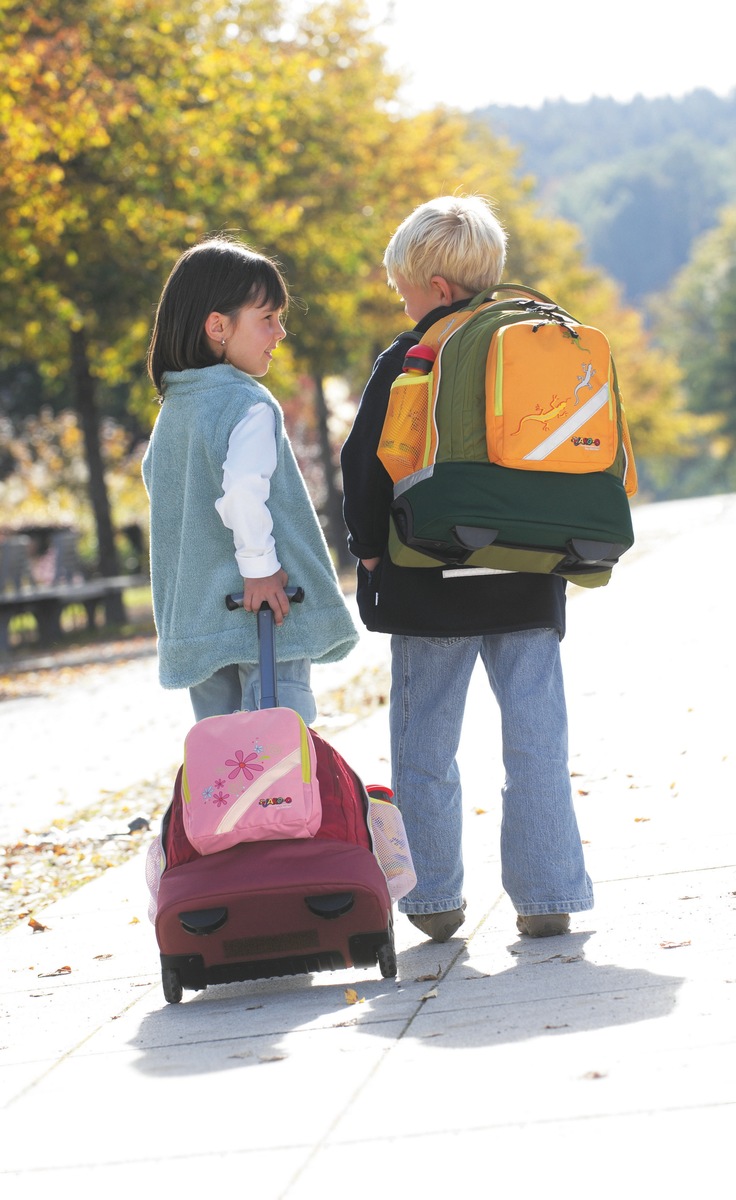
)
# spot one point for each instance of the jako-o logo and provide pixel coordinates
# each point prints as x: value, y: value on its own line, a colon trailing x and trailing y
x: 264, y: 803
x: 580, y: 441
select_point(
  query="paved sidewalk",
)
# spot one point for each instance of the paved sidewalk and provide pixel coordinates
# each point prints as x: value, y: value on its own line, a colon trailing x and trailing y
x: 593, y: 1065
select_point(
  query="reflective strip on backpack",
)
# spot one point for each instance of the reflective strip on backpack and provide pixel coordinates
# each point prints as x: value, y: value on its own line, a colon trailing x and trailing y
x: 404, y: 484
x: 571, y: 425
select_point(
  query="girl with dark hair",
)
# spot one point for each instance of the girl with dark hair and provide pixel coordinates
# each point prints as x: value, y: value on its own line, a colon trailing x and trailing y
x: 230, y: 510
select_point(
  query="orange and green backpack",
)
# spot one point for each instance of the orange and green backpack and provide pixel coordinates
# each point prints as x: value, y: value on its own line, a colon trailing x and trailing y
x: 509, y: 449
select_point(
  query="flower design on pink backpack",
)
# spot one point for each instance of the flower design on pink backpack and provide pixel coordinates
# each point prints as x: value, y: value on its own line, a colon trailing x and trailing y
x: 221, y: 798
x: 245, y: 763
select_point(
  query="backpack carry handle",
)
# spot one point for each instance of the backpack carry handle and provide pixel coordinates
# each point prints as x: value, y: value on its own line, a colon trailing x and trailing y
x: 267, y: 643
x: 524, y: 290
x: 294, y: 594
x: 521, y: 290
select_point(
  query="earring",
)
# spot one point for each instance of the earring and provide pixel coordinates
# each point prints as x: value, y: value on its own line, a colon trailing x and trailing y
x: 222, y: 341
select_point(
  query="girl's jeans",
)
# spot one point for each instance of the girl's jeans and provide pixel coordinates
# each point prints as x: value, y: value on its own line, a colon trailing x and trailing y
x: 542, y: 867
x: 239, y: 687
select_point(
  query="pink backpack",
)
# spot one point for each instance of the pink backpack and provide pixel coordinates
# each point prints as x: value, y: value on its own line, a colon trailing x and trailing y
x: 247, y: 777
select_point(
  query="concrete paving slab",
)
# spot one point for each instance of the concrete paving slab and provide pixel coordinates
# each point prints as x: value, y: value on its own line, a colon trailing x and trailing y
x: 592, y: 1064
x: 664, y: 1153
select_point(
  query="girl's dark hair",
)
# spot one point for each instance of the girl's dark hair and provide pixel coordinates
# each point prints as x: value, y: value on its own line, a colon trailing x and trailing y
x: 217, y: 275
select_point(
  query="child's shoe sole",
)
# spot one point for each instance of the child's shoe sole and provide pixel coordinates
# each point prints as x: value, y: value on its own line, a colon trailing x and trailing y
x: 544, y: 924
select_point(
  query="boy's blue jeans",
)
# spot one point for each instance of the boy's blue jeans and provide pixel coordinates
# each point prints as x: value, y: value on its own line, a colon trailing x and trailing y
x: 542, y: 866
x: 239, y: 687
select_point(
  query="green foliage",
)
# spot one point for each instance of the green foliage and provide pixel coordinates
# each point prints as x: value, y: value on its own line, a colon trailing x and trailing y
x: 696, y: 321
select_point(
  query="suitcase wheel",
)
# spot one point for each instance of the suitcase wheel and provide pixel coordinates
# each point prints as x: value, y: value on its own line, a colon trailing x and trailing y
x: 386, y: 956
x: 172, y: 986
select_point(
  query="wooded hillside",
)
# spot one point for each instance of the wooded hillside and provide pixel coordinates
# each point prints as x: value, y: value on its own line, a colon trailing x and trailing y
x: 642, y: 180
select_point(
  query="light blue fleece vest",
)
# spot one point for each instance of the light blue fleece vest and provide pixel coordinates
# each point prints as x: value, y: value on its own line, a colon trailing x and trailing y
x: 193, y: 563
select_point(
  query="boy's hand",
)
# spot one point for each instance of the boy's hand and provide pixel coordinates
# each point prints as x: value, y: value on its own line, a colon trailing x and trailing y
x: 269, y: 589
x: 370, y: 564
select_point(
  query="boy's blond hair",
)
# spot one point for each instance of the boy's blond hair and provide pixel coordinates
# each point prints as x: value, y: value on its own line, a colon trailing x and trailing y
x: 457, y: 237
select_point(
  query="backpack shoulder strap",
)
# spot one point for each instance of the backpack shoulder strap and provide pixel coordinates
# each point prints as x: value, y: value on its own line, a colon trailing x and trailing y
x: 438, y: 334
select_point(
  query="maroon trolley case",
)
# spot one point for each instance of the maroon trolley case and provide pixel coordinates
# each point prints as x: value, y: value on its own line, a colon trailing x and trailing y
x: 271, y: 908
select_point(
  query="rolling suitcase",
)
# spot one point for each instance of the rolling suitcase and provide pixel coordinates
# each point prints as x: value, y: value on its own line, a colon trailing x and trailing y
x: 278, y: 907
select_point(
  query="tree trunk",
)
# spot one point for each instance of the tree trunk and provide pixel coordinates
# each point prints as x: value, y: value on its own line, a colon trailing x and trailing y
x: 336, y: 531
x: 84, y: 387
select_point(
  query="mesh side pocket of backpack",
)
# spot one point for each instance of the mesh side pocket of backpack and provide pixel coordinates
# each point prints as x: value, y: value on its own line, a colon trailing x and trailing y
x: 407, y: 438
x: 155, y: 863
x: 391, y: 847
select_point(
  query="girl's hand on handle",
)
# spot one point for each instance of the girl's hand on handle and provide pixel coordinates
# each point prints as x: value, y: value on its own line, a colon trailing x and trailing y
x: 269, y: 590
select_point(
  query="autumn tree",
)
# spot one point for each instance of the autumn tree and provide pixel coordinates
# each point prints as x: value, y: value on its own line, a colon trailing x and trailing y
x: 132, y: 128
x: 114, y: 158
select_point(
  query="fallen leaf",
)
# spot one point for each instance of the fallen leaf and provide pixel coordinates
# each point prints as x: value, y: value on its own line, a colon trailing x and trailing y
x: 480, y: 812
x: 58, y: 971
x: 135, y: 921
x: 641, y: 819
x: 429, y: 978
x: 36, y: 926
x: 564, y: 1026
x: 431, y: 995
x: 673, y: 945
x: 352, y: 996
x: 101, y: 956
x: 582, y: 792
x: 595, y: 1075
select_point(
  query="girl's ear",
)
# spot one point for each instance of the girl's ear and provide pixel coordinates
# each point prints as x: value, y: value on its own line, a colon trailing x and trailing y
x: 214, y: 326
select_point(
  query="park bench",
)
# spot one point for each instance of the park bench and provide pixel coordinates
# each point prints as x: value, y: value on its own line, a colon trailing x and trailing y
x: 46, y: 602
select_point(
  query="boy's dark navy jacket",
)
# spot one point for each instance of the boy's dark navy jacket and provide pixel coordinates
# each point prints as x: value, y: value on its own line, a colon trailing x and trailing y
x: 422, y: 601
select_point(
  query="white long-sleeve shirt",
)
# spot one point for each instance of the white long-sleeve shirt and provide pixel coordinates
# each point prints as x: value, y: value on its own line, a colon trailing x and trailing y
x: 246, y: 486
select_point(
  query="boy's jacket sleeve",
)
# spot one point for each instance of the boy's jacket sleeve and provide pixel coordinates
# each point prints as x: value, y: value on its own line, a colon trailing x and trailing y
x: 367, y: 486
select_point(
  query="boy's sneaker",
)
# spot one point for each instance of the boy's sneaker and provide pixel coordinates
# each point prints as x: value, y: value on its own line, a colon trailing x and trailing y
x: 439, y: 926
x: 544, y: 925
